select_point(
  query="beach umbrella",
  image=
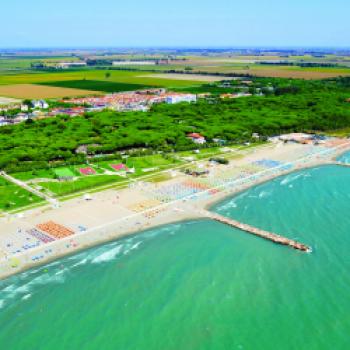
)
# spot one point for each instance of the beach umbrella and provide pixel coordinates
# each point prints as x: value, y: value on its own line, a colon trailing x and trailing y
x: 15, y: 262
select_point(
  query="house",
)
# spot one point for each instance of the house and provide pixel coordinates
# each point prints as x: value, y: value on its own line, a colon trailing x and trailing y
x: 197, y: 138
x: 219, y: 141
x: 3, y: 121
x: 172, y: 99
x: 24, y: 108
x: 40, y: 104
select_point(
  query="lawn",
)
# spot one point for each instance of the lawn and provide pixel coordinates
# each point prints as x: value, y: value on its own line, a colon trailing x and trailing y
x: 14, y: 197
x: 81, y: 184
x: 34, y: 174
x: 64, y: 172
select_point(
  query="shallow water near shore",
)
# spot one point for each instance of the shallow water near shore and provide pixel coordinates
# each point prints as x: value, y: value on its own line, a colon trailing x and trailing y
x: 201, y: 284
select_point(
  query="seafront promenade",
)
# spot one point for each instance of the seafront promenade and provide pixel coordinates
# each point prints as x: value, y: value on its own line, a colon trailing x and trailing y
x: 41, y: 235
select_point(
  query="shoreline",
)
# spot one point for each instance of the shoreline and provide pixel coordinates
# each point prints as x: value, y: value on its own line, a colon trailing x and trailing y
x: 177, y: 211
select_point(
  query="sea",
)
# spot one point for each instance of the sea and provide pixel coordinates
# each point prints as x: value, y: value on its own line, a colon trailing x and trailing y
x: 201, y: 284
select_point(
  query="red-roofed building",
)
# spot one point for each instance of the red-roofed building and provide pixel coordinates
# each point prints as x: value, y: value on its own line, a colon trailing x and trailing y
x: 197, y: 138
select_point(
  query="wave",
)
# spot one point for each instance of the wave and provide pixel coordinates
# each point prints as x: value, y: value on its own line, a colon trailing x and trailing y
x: 107, y: 256
x: 81, y: 262
x: 290, y: 178
x: 27, y: 296
x: 264, y: 194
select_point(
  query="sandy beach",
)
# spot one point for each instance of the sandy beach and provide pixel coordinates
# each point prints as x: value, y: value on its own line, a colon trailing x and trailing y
x: 112, y: 214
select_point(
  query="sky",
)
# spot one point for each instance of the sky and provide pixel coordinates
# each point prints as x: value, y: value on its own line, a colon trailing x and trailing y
x: 179, y: 23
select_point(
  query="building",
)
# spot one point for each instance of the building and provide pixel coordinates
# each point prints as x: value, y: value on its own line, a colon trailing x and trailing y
x: 177, y: 98
x: 197, y: 138
x: 134, y: 63
x: 296, y: 137
x: 40, y: 104
x: 3, y: 121
x: 66, y: 65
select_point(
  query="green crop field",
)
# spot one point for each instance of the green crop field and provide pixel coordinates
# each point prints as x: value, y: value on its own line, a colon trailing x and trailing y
x: 116, y: 76
x: 97, y: 85
x: 14, y: 197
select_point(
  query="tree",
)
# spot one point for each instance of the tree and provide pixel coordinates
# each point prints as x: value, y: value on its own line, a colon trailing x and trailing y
x: 107, y: 75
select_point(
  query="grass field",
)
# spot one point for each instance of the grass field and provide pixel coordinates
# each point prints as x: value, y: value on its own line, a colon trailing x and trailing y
x: 14, y: 197
x: 34, y: 174
x: 97, y: 85
x: 64, y: 172
x: 38, y: 91
x: 83, y: 183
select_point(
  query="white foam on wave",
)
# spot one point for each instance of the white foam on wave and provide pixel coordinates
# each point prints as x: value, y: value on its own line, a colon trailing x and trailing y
x: 134, y: 246
x: 2, y: 303
x: 27, y: 296
x: 81, y: 262
x: 290, y: 178
x: 107, y: 256
x: 264, y: 194
x: 229, y: 205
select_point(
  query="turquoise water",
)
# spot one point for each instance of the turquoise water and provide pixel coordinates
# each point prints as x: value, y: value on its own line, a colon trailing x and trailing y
x: 201, y: 285
x: 345, y: 158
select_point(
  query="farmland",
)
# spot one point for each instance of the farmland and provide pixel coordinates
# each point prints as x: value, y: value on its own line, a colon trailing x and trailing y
x: 169, y: 74
x: 97, y: 85
x: 24, y: 91
x: 129, y: 77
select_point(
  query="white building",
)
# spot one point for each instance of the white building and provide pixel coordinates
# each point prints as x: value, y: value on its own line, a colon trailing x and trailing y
x: 3, y: 121
x: 134, y: 63
x: 181, y: 98
x: 66, y: 65
x: 40, y: 104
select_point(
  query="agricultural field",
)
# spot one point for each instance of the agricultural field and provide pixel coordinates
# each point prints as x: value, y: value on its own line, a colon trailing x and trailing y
x: 190, y: 77
x: 6, y: 101
x: 14, y: 197
x: 116, y: 76
x: 24, y: 62
x: 31, y: 91
x: 97, y: 85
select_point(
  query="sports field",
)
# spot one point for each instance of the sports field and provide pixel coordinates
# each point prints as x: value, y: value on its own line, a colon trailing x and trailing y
x: 64, y: 172
x: 39, y: 91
